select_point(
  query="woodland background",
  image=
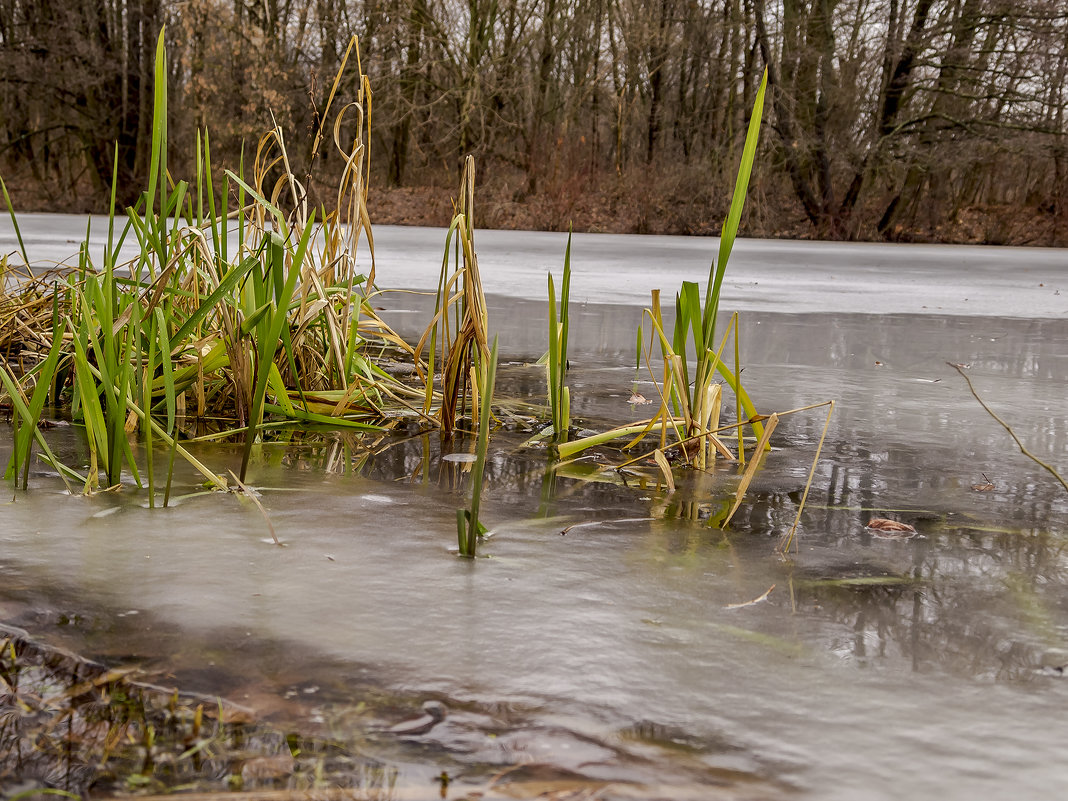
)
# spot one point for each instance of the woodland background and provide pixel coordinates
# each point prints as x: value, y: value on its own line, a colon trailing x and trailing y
x: 922, y: 120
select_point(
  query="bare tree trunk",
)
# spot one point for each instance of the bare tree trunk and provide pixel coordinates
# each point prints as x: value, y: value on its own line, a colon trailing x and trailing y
x: 656, y: 63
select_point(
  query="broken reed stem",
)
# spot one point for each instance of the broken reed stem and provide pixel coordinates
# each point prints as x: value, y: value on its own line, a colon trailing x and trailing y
x: 750, y: 471
x: 1023, y: 448
x: 811, y: 475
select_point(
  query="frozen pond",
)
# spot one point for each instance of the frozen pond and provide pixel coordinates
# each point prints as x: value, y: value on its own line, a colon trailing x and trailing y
x: 625, y: 649
x: 764, y: 275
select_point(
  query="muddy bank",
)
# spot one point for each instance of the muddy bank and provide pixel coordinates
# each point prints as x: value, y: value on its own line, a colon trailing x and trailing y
x: 101, y: 728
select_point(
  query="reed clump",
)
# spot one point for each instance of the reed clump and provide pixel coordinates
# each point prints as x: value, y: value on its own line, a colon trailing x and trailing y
x: 243, y: 307
x: 688, y: 419
x: 247, y: 308
x: 690, y: 399
x: 457, y: 339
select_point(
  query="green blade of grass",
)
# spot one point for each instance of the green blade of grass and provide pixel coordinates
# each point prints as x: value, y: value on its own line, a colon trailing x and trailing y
x: 469, y: 542
x: 169, y: 395
x: 734, y: 216
x: 89, y: 402
x: 232, y: 277
x: 320, y: 419
x: 32, y: 416
x: 279, y: 217
x: 14, y: 223
x: 267, y: 346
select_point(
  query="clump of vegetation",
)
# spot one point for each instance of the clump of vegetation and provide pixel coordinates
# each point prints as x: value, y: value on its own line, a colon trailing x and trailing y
x: 690, y: 400
x: 213, y: 321
x: 246, y: 308
x: 457, y: 336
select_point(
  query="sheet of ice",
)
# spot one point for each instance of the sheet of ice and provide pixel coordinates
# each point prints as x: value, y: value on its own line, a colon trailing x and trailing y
x: 763, y: 275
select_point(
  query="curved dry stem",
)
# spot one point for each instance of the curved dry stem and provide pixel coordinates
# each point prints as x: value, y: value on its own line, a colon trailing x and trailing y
x: 1023, y: 448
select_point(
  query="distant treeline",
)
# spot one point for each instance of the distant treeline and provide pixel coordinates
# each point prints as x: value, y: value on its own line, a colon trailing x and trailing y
x: 896, y: 119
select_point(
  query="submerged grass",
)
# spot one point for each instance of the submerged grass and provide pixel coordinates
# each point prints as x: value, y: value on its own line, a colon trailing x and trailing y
x: 77, y: 729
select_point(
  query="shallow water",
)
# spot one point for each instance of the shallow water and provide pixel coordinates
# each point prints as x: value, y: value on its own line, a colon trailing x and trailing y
x: 608, y: 636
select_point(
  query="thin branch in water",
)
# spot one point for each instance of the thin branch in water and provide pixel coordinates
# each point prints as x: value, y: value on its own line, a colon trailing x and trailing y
x: 564, y: 531
x: 754, y: 602
x: 1007, y: 427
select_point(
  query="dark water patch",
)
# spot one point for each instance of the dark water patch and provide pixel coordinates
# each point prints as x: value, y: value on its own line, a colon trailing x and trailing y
x: 74, y: 726
x: 298, y: 724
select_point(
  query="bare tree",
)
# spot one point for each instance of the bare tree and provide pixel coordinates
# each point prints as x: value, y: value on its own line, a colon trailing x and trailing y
x: 891, y: 118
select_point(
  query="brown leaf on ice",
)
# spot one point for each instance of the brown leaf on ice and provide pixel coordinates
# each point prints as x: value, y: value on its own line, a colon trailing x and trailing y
x: 988, y: 487
x: 883, y: 524
x: 638, y: 399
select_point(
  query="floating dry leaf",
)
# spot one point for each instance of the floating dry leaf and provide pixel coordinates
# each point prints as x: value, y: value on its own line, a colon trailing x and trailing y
x: 885, y: 524
x: 895, y: 529
x: 988, y: 487
x: 637, y: 399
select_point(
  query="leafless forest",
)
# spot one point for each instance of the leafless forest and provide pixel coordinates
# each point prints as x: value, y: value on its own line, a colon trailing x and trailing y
x: 886, y: 119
